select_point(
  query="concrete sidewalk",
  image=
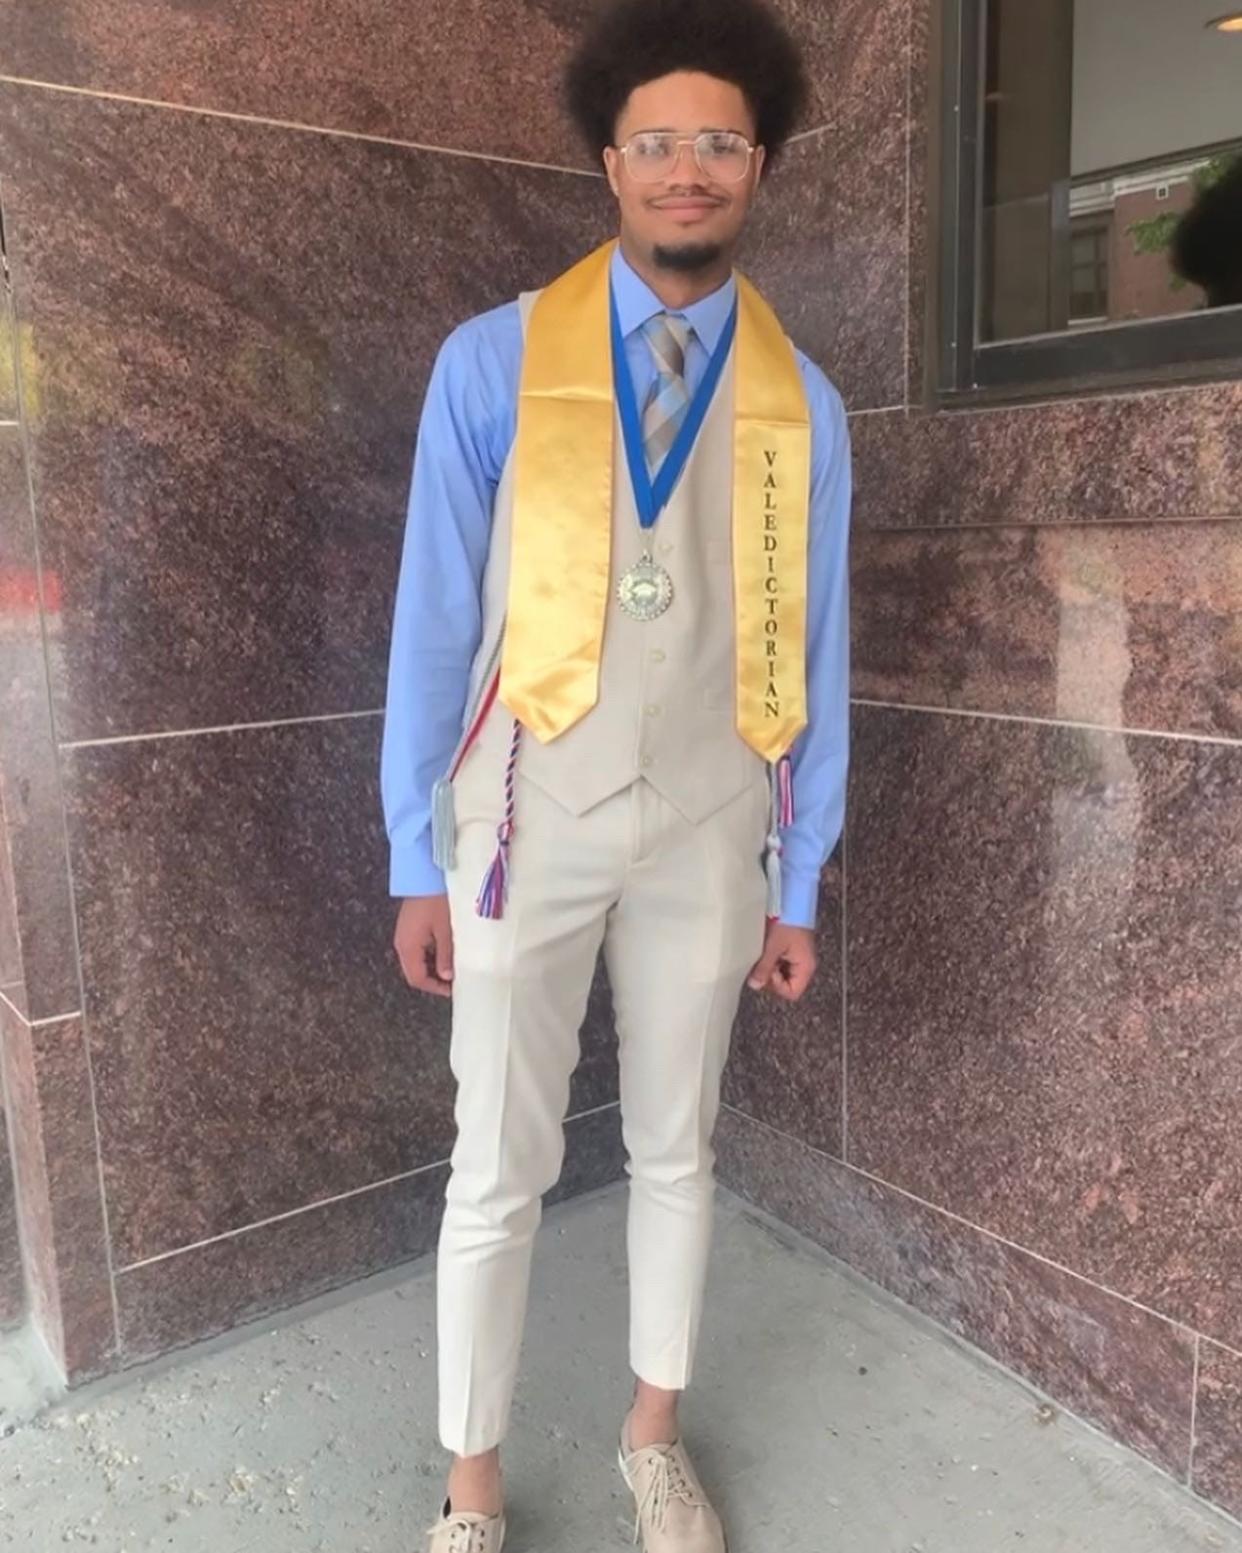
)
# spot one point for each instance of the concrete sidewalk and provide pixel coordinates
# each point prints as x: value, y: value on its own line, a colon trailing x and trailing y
x: 825, y: 1418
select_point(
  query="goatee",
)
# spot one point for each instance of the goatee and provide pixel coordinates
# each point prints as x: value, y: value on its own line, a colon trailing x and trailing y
x: 688, y: 258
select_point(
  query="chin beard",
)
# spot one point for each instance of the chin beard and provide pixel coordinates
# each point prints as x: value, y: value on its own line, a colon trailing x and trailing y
x: 688, y: 258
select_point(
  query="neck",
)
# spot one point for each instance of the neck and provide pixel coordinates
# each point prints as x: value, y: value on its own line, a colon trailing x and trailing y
x: 674, y: 288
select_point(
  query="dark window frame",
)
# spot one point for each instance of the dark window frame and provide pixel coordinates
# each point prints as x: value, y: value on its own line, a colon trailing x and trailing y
x: 1189, y: 347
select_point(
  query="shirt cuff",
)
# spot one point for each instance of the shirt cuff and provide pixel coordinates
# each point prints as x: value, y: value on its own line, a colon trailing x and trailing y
x: 799, y: 899
x: 412, y: 871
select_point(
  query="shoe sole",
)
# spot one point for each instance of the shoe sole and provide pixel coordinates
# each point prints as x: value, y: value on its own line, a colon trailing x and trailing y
x: 626, y: 1479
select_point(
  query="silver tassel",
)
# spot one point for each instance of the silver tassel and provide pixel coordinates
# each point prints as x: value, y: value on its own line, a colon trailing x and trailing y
x: 772, y: 852
x: 772, y: 866
x: 443, y: 826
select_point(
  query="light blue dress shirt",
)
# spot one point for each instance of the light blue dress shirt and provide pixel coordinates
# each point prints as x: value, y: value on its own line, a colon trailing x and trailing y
x: 468, y: 425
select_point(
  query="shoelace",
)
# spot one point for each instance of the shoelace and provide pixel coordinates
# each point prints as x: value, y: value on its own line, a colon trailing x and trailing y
x: 668, y: 1481
x: 461, y: 1536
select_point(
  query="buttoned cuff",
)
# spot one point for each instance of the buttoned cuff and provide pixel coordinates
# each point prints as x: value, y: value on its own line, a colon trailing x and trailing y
x: 799, y: 899
x: 412, y: 871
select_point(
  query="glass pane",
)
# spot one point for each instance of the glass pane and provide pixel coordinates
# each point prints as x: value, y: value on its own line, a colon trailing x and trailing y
x: 1112, y: 163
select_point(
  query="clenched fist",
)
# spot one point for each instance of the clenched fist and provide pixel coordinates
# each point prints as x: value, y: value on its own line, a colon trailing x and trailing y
x: 787, y: 964
x: 424, y: 944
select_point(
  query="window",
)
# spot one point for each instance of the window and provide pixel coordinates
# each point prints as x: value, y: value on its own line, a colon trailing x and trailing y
x: 1092, y: 193
x: 1090, y: 264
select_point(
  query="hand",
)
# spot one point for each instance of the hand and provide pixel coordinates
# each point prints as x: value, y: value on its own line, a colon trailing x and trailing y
x: 787, y: 963
x: 424, y: 944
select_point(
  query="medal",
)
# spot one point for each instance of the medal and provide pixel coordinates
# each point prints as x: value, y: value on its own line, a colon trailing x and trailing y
x: 646, y: 590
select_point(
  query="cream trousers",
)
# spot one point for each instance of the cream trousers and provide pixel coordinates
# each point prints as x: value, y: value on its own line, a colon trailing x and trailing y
x: 679, y: 911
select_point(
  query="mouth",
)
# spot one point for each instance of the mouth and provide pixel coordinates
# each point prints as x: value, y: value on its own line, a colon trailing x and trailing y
x: 688, y: 207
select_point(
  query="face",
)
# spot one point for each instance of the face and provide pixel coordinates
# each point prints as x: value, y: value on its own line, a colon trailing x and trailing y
x: 687, y: 212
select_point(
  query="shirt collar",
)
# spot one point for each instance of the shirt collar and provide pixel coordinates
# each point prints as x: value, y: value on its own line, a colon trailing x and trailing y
x: 636, y: 303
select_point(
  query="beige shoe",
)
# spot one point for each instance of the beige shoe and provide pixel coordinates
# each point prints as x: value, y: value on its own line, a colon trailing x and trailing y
x: 674, y: 1515
x: 464, y: 1532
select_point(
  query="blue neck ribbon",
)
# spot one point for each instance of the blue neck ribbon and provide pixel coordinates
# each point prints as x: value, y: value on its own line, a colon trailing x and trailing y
x: 651, y: 497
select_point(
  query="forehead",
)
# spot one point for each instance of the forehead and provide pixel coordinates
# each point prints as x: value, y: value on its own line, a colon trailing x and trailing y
x: 686, y: 100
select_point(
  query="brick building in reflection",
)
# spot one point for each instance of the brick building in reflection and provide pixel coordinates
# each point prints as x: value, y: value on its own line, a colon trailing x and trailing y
x: 1110, y: 278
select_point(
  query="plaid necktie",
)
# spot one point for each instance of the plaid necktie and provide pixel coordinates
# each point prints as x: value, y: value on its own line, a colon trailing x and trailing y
x: 666, y: 408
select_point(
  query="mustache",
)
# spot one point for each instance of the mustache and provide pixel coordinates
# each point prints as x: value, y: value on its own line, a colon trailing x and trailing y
x: 691, y: 192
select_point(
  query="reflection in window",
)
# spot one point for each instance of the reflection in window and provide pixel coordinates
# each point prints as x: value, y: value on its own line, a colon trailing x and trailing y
x: 1090, y: 239
x: 1105, y: 122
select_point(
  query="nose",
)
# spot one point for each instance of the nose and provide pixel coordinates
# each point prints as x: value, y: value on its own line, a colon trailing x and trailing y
x: 685, y: 148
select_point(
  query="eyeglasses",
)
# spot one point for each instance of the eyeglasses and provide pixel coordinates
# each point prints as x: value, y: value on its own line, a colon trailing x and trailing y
x: 723, y: 156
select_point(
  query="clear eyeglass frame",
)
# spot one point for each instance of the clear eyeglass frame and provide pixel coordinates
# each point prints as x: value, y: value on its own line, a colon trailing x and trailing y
x: 707, y: 147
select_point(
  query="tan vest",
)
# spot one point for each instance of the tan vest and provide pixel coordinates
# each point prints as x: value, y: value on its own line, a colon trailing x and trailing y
x: 665, y: 712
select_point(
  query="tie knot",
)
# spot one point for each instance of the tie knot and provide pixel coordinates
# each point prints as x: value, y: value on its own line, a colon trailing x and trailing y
x: 668, y: 337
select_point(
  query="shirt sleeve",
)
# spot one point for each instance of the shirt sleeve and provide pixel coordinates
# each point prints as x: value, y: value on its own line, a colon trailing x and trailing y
x: 464, y: 438
x: 821, y: 754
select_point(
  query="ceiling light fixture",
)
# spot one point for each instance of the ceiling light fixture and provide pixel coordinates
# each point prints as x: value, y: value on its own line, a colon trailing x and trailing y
x: 1230, y: 23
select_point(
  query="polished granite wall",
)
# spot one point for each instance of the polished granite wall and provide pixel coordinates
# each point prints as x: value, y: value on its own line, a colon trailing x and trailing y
x: 12, y: 1280
x: 1013, y: 1097
x: 235, y: 247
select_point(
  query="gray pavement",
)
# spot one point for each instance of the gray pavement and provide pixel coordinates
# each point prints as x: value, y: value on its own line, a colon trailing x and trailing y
x: 826, y: 1419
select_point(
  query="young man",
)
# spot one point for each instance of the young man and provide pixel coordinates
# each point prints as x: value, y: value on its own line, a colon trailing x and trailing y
x: 617, y: 715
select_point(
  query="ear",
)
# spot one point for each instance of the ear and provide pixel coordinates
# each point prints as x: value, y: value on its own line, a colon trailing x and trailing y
x: 612, y: 168
x: 761, y: 156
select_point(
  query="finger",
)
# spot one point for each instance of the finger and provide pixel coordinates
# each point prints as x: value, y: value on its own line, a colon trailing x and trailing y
x: 763, y: 972
x: 797, y: 978
x: 424, y: 979
x: 412, y: 967
x: 787, y: 987
x: 400, y: 948
x: 408, y: 963
x: 444, y: 955
x: 418, y: 972
x: 432, y: 980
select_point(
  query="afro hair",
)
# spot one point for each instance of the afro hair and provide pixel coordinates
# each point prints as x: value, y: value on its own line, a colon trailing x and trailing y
x: 632, y: 42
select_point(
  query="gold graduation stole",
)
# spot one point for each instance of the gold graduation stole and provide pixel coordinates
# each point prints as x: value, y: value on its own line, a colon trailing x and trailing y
x: 560, y: 573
